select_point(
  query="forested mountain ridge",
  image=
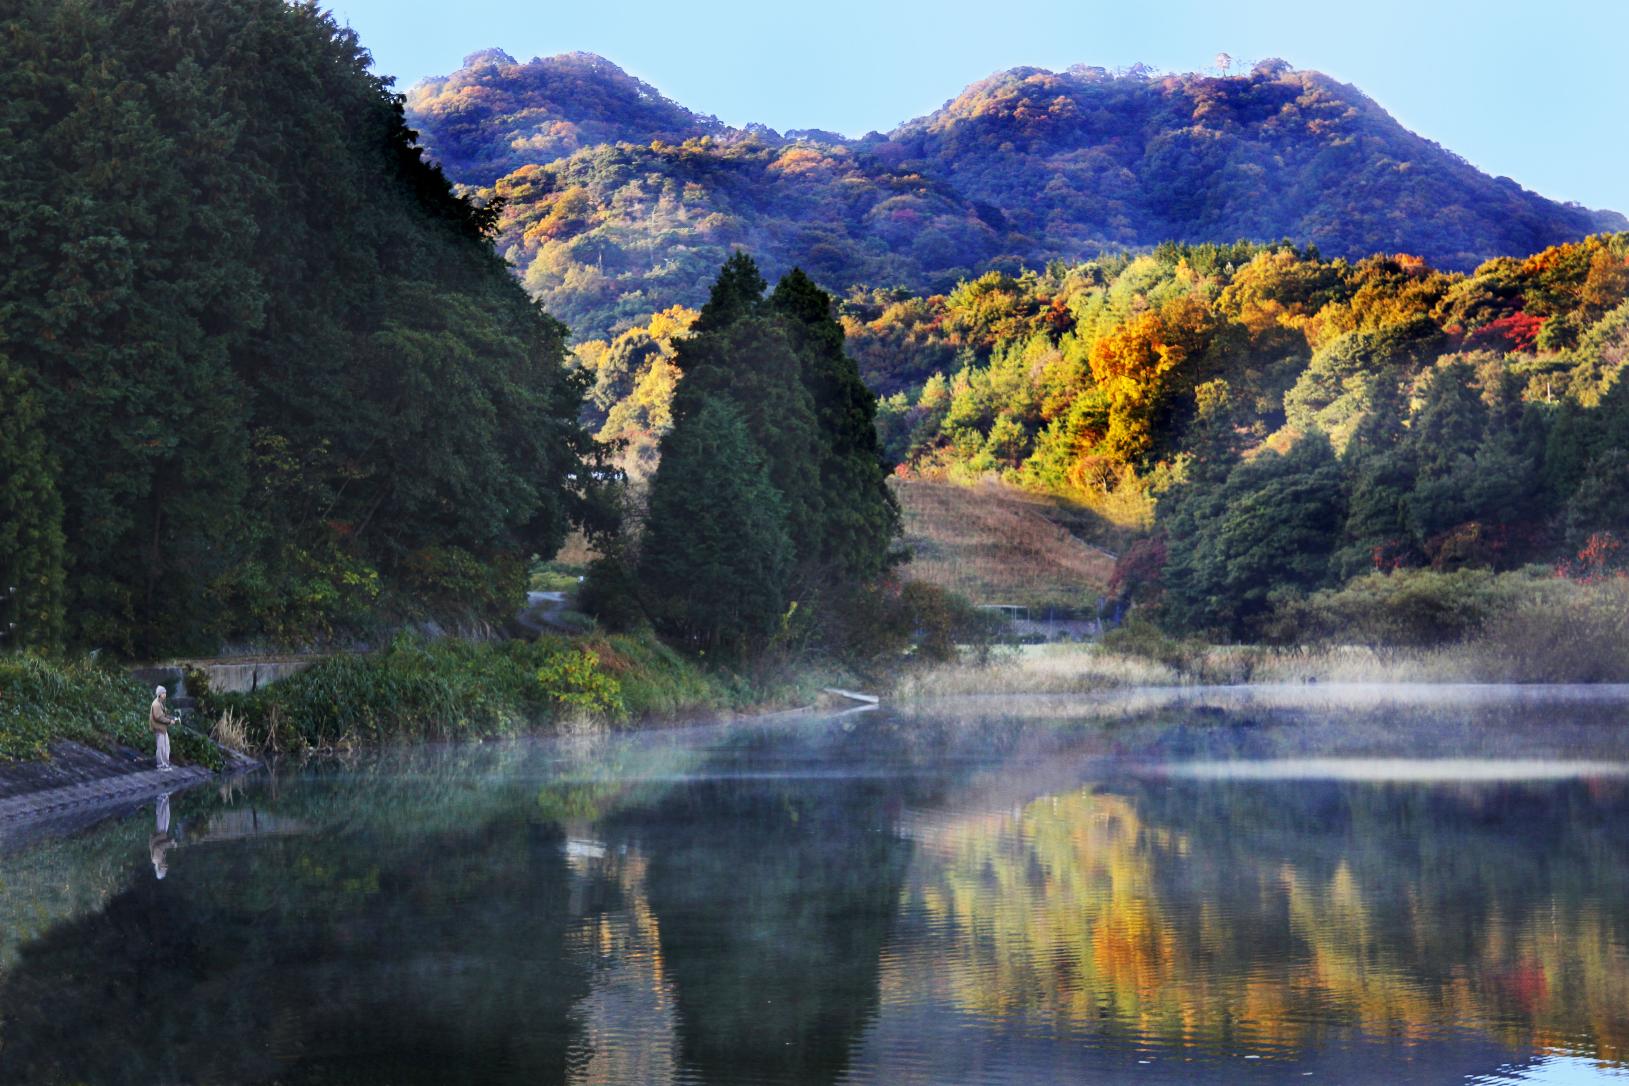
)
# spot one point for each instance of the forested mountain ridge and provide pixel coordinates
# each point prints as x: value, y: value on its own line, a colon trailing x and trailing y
x: 619, y: 202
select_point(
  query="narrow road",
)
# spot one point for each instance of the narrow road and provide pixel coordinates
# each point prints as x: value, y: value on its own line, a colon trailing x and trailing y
x: 542, y: 613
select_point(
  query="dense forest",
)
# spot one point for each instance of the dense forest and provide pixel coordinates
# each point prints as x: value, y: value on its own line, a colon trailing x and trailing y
x: 620, y: 203
x: 263, y: 374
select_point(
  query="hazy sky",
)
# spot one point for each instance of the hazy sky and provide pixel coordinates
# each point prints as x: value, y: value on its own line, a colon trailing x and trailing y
x: 1536, y: 91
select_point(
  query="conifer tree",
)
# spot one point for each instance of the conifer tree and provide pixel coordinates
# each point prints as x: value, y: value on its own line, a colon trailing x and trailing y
x: 860, y: 515
x: 741, y: 352
x: 31, y: 541
x: 716, y: 555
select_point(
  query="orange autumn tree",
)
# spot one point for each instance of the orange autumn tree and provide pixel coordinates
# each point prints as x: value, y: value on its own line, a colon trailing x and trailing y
x: 1132, y: 364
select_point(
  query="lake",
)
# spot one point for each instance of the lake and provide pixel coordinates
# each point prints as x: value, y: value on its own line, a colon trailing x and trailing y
x: 1345, y: 885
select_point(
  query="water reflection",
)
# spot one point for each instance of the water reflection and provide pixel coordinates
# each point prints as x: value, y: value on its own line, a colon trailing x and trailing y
x: 1214, y: 924
x: 160, y: 843
x: 1203, y: 893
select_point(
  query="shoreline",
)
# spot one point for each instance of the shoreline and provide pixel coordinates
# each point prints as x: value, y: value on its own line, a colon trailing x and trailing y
x: 79, y: 786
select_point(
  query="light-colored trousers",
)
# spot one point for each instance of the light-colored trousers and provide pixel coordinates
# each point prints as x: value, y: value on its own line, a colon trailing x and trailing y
x: 163, y: 748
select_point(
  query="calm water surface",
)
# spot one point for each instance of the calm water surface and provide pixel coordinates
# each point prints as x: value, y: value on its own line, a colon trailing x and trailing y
x: 1273, y: 887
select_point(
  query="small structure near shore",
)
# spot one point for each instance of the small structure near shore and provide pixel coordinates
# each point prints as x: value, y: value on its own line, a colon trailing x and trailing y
x: 863, y: 699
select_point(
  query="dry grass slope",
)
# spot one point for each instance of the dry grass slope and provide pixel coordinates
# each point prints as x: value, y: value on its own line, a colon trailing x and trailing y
x: 997, y: 544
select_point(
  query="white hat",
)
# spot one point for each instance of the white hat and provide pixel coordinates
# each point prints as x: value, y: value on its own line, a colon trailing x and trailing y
x: 159, y: 692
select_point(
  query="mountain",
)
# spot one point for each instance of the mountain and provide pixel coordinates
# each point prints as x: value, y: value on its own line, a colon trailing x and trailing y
x: 620, y: 202
x: 495, y: 115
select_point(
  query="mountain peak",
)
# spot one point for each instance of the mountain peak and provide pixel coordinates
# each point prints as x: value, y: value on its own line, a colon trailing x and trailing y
x: 487, y: 56
x: 494, y: 114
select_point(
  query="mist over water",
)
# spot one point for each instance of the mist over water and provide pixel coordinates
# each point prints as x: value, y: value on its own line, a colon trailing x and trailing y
x: 1196, y: 886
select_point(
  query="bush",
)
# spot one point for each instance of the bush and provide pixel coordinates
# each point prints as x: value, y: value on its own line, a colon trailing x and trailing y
x: 1411, y: 607
x: 610, y: 593
x: 656, y: 680
x: 574, y: 680
x: 426, y: 690
x: 1578, y: 634
x: 1140, y: 638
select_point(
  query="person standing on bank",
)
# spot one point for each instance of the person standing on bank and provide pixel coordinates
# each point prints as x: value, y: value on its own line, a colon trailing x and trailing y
x: 161, y: 722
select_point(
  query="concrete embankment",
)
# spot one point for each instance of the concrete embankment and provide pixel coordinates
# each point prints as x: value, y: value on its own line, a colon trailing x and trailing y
x: 78, y: 786
x: 223, y: 676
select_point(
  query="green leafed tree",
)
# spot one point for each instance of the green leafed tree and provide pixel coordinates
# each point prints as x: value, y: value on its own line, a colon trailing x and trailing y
x: 1270, y: 528
x: 223, y: 241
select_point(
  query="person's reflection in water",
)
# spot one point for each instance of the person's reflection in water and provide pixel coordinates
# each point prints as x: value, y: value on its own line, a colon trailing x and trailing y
x: 160, y: 843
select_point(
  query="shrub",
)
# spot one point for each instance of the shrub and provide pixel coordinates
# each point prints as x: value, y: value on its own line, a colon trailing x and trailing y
x: 1410, y: 607
x: 1140, y: 638
x: 1579, y: 634
x: 610, y: 593
x: 426, y: 690
x: 573, y: 679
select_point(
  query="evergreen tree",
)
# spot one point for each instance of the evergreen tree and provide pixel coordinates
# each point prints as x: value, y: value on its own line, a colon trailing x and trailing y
x: 860, y: 515
x: 1271, y: 528
x: 1214, y: 436
x: 31, y: 541
x: 716, y: 555
x: 743, y: 352
x: 736, y: 293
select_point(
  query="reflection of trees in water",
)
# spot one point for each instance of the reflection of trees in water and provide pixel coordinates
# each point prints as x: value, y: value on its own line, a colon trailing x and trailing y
x: 416, y: 918
x: 774, y: 898
x: 370, y: 962
x: 1263, y: 914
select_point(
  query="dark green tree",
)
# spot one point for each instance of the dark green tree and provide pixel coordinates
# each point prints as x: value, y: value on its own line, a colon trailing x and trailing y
x: 743, y: 352
x: 31, y: 541
x: 860, y: 518
x: 222, y: 240
x: 1270, y: 529
x: 716, y: 555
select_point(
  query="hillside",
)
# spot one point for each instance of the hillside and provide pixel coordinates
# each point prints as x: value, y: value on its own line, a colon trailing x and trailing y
x: 997, y: 544
x: 495, y: 115
x: 619, y: 202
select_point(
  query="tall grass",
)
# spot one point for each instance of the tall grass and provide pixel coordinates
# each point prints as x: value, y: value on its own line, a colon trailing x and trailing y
x: 1560, y: 632
x: 450, y: 689
x: 45, y: 700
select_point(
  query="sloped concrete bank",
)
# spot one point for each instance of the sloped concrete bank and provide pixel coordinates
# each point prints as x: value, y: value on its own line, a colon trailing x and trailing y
x: 79, y: 786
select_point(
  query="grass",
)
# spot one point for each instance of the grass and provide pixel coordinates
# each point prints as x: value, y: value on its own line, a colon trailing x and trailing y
x: 1578, y: 637
x: 451, y: 689
x: 993, y: 543
x: 48, y: 700
x: 1035, y: 669
x: 556, y: 576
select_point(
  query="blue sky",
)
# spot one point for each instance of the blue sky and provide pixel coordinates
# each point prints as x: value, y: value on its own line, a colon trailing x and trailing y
x: 1534, y: 91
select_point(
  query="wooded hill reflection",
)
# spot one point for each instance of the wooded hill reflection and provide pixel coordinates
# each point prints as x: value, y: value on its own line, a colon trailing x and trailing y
x: 1259, y: 916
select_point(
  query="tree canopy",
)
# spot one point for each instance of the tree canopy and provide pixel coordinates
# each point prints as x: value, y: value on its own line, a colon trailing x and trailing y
x: 283, y: 377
